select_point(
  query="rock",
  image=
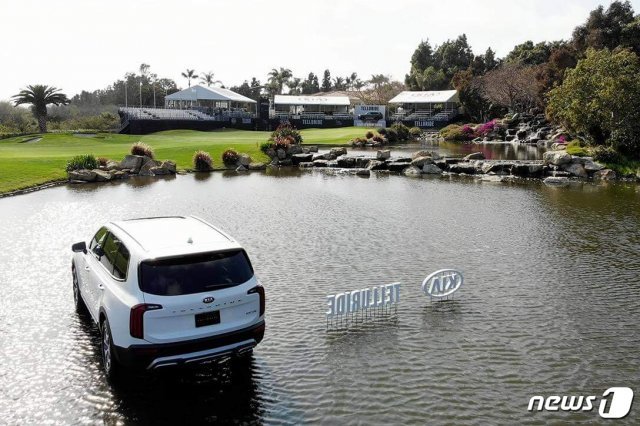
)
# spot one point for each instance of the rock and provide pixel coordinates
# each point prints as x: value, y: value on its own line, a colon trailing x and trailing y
x: 509, y: 138
x: 543, y: 143
x: 294, y: 149
x: 497, y: 167
x: 363, y: 172
x: 521, y: 134
x: 346, y: 162
x: 493, y: 178
x: 320, y: 157
x: 241, y: 168
x: 377, y: 165
x: 383, y: 155
x: 422, y: 153
x: 271, y: 153
x: 244, y: 160
x: 320, y: 163
x: 147, y: 165
x: 132, y: 162
x: 605, y: 174
x: 306, y: 164
x: 412, y: 171
x: 467, y: 168
x: 312, y: 148
x: 421, y: 161
x: 83, y: 175
x: 527, y: 170
x: 592, y: 166
x: 395, y: 166
x: 169, y: 165
x: 257, y: 166
x: 575, y: 169
x: 112, y: 165
x: 301, y: 158
x: 431, y: 169
x: 157, y: 171
x: 557, y: 158
x: 281, y: 153
x: 556, y: 181
x: 118, y: 174
x: 332, y: 163
x: 475, y: 156
x: 285, y: 163
x: 102, y: 176
x: 362, y: 162
x: 337, y: 152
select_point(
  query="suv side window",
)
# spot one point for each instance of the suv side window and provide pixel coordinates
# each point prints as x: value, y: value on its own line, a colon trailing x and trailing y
x: 111, y: 248
x: 121, y: 263
x: 98, y: 239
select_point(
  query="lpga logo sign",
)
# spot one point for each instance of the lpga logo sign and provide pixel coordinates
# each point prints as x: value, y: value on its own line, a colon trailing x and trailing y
x: 442, y: 283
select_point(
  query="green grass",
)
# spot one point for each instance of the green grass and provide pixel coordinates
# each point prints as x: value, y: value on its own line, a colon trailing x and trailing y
x: 574, y: 148
x: 27, y: 164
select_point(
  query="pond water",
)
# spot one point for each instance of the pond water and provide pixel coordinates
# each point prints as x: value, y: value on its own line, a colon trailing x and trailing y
x: 549, y: 305
x: 491, y: 150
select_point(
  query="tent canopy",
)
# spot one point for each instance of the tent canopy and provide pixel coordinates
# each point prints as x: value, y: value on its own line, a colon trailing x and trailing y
x: 199, y: 93
x: 430, y: 97
x: 311, y: 100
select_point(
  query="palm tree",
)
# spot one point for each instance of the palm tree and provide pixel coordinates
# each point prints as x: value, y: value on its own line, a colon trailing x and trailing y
x: 279, y: 78
x: 294, y: 86
x: 207, y: 78
x: 39, y: 96
x: 189, y: 74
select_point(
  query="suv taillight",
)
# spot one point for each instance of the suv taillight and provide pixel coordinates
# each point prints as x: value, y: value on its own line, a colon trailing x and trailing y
x: 260, y: 290
x: 136, y: 318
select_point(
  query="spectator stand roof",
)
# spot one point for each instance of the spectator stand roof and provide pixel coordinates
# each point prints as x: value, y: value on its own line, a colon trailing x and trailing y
x: 430, y: 97
x: 311, y: 100
x: 198, y: 93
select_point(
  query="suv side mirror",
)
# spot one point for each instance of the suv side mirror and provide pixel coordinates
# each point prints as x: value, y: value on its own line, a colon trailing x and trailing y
x: 80, y: 247
x: 98, y: 251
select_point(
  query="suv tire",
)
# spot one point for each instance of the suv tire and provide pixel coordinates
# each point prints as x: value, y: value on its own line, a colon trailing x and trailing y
x: 110, y: 364
x: 81, y: 308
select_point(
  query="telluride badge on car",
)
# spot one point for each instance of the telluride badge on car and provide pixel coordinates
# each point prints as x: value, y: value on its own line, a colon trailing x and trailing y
x: 442, y: 283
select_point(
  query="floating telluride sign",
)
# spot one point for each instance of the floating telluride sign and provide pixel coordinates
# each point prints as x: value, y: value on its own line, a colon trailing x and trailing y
x: 351, y: 302
x: 442, y: 283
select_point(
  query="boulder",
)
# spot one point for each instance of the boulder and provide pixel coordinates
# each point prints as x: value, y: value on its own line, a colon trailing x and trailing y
x: 502, y: 167
x: 556, y: 181
x: 102, y: 176
x: 509, y: 138
x: 170, y: 166
x: 132, y: 162
x: 271, y: 153
x: 377, y: 165
x: 83, y: 175
x: 321, y: 157
x: 605, y: 174
x: 527, y: 170
x: 241, y: 168
x: 557, y: 158
x: 431, y: 169
x: 475, y: 156
x: 320, y: 163
x: 306, y: 164
x: 244, y: 160
x: 521, y: 134
x: 332, y: 163
x: 118, y: 174
x: 412, y: 171
x: 467, y: 168
x: 337, y: 152
x: 576, y: 169
x: 113, y: 165
x: 313, y: 148
x: 421, y: 161
x: 363, y: 172
x: 422, y: 153
x: 158, y: 171
x: 383, y: 155
x: 301, y: 158
x: 592, y: 166
x: 281, y: 153
x: 395, y: 166
x: 257, y: 166
x: 294, y: 149
x: 346, y: 162
x: 285, y: 163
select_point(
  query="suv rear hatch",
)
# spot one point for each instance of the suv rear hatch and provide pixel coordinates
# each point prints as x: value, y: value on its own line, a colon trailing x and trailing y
x: 195, y: 296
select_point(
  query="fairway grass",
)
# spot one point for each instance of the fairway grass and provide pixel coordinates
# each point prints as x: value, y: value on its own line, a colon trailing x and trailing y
x: 23, y: 165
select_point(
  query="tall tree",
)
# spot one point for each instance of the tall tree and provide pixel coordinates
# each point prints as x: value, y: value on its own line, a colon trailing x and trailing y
x: 610, y: 28
x: 326, y: 81
x: 189, y: 75
x: 39, y: 96
x: 208, y: 78
x: 310, y: 85
x: 295, y: 86
x: 339, y: 84
x: 278, y: 78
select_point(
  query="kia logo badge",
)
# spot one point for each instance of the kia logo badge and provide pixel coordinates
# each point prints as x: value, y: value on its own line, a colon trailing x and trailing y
x: 442, y: 283
x: 208, y: 299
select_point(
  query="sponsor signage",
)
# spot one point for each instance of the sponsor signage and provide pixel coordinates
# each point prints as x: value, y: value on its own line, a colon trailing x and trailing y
x: 369, y: 116
x: 351, y: 302
x: 442, y: 283
x: 423, y: 123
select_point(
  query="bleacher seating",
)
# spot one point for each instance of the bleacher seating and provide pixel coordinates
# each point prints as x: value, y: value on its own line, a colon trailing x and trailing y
x: 179, y: 114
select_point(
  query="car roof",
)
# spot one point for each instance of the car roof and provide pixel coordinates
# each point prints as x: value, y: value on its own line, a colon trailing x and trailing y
x: 172, y: 235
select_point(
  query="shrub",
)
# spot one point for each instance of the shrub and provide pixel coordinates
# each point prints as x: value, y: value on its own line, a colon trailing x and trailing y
x: 378, y: 138
x: 606, y: 155
x: 140, y: 148
x: 266, y: 146
x: 230, y: 156
x: 282, y: 143
x: 455, y: 132
x: 574, y: 148
x: 401, y: 130
x: 202, y: 161
x: 486, y: 128
x: 82, y: 162
x: 287, y: 130
x: 415, y: 132
x: 102, y: 161
x: 392, y: 135
x: 382, y: 131
x: 369, y: 134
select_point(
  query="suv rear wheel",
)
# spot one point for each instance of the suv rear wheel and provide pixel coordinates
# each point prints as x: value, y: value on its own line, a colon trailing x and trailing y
x: 77, y: 297
x: 109, y: 362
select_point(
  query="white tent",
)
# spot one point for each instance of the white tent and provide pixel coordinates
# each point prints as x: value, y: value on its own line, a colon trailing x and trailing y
x: 429, y: 97
x: 311, y: 100
x: 200, y: 93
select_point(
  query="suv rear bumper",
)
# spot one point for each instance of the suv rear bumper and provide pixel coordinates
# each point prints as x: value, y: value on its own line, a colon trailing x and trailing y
x: 154, y: 356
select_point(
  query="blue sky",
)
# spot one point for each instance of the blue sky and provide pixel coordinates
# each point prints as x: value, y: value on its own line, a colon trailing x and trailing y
x: 95, y: 42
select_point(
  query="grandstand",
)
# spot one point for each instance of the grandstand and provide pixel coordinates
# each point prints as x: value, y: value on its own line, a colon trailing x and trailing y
x: 426, y: 109
x: 312, y: 111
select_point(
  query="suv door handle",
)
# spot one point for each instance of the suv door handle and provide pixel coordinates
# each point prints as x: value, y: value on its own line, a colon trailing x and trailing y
x: 100, y: 287
x: 86, y: 268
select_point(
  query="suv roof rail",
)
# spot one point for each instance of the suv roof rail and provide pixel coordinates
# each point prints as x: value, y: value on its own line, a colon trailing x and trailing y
x: 212, y: 227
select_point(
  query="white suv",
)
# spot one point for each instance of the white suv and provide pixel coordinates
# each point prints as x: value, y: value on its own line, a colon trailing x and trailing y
x: 167, y: 291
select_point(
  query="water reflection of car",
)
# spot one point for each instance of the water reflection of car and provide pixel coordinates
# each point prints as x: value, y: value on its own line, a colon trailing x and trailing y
x: 371, y: 116
x: 167, y: 291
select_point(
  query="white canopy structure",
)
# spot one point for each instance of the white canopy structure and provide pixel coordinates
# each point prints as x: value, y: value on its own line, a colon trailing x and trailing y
x: 311, y: 100
x: 200, y: 93
x: 429, y: 97
x: 326, y: 107
x: 213, y: 101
